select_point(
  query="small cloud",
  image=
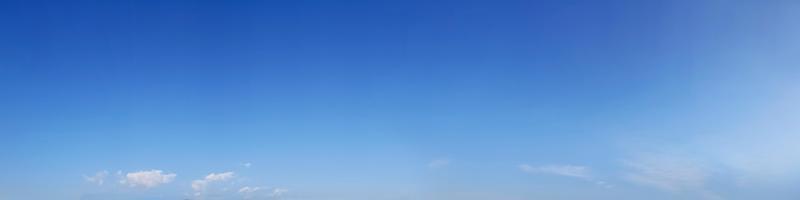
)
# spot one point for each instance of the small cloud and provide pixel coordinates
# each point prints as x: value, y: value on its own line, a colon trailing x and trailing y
x: 247, y: 165
x: 147, y: 179
x: 199, y: 186
x: 219, y: 177
x: 277, y: 192
x: 670, y: 173
x: 249, y: 192
x: 561, y: 170
x: 440, y: 163
x: 574, y: 171
x: 603, y: 184
x: 248, y: 189
x: 99, y: 178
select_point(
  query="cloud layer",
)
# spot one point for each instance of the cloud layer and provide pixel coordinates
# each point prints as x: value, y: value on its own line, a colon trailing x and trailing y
x: 439, y: 163
x: 147, y: 179
x: 561, y: 170
x: 199, y: 186
x: 99, y: 178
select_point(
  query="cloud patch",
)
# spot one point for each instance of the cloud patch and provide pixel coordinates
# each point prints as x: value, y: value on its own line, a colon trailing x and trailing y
x: 147, y: 179
x: 440, y: 163
x: 99, y: 178
x: 278, y: 192
x: 675, y: 174
x: 574, y: 171
x: 249, y: 192
x: 199, y: 186
x: 561, y: 170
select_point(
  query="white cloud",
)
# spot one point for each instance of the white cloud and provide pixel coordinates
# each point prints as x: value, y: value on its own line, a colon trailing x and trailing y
x: 574, y: 171
x: 439, y: 163
x: 99, y: 178
x: 760, y: 158
x: 676, y: 174
x: 248, y: 189
x: 147, y: 179
x: 219, y: 177
x: 247, y: 165
x: 752, y: 149
x: 561, y: 170
x: 277, y: 192
x: 603, y: 184
x: 249, y: 192
x: 666, y: 175
x: 199, y: 186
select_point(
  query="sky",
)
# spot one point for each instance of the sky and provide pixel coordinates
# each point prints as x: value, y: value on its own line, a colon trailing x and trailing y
x: 399, y: 100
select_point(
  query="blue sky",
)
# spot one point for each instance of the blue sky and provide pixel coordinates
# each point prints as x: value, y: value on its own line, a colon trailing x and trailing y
x: 394, y: 100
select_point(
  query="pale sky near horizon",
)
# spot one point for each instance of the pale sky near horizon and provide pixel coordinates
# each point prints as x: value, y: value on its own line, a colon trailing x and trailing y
x: 400, y: 100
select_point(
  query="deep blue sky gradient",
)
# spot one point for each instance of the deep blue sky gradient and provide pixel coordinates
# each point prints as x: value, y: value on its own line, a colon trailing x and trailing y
x: 355, y: 98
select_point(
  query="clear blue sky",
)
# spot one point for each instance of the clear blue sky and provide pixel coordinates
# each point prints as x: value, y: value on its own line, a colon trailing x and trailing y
x: 400, y: 100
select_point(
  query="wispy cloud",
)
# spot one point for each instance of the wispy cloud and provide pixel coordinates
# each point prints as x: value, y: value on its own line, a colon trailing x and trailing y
x: 278, y: 192
x: 147, y: 179
x: 671, y: 173
x: 746, y: 154
x: 248, y: 189
x: 199, y: 186
x: 99, y: 178
x: 561, y: 170
x: 574, y: 171
x: 439, y: 163
x: 250, y: 192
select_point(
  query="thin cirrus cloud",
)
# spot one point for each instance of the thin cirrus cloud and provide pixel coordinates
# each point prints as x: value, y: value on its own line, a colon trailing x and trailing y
x: 277, y: 192
x: 573, y: 171
x: 203, y: 188
x: 98, y: 178
x: 667, y: 173
x: 248, y: 189
x: 147, y: 179
x: 439, y: 163
x: 671, y: 173
x: 199, y: 186
x: 741, y: 157
x: 561, y: 170
x: 249, y: 192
